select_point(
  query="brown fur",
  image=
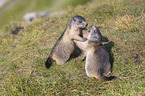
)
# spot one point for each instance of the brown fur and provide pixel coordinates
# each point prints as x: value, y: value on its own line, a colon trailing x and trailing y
x: 65, y: 46
x: 97, y: 58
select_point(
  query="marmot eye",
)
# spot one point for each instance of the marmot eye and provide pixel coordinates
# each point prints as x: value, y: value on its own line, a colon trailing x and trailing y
x: 74, y: 19
x: 80, y: 21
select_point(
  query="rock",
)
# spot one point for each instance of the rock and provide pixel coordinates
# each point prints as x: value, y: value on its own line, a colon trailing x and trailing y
x: 29, y: 17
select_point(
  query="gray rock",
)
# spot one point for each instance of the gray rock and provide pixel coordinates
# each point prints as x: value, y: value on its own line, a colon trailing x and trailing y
x: 29, y: 17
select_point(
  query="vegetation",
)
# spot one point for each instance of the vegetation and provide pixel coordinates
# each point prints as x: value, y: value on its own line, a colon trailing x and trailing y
x: 22, y: 56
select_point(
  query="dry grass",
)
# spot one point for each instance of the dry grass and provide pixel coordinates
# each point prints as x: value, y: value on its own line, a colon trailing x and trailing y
x: 129, y: 23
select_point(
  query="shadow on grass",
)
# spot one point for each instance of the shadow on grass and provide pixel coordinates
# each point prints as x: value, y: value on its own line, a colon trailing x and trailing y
x: 109, y: 46
x: 104, y: 39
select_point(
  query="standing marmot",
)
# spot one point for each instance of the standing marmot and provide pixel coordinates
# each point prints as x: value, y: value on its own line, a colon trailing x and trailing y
x: 65, y: 46
x: 97, y: 58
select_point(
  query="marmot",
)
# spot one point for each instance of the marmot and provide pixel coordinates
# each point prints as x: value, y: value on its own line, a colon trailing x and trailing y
x: 65, y: 46
x: 97, y: 58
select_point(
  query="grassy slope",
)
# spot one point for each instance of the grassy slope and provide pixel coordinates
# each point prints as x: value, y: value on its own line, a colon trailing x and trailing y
x: 22, y: 56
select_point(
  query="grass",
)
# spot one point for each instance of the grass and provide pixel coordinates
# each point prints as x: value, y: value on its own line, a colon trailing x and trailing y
x: 23, y: 56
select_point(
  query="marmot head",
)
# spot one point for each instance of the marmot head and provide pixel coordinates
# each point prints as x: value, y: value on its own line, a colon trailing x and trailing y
x: 79, y: 22
x: 94, y: 34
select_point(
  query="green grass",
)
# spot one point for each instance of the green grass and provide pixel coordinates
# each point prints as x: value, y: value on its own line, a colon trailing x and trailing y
x: 22, y: 56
